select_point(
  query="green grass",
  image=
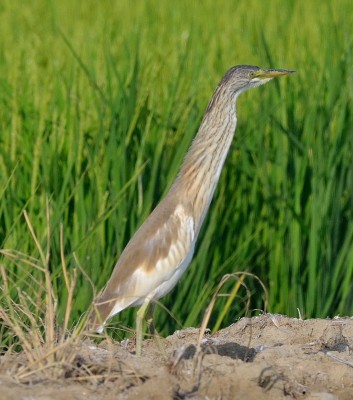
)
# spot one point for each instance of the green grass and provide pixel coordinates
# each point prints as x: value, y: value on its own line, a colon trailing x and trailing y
x: 99, y: 102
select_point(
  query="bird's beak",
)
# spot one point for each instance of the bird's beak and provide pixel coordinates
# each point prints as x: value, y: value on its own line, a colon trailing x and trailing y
x: 271, y: 73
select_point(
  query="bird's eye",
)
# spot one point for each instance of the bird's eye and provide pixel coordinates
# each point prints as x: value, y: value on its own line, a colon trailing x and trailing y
x: 252, y: 75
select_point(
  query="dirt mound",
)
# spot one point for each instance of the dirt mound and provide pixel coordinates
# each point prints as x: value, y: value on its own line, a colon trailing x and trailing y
x: 266, y: 357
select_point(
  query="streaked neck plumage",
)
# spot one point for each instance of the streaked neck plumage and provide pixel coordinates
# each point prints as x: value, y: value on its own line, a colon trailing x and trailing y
x: 201, y: 169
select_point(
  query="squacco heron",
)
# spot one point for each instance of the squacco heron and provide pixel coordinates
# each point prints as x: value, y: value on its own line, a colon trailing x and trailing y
x: 160, y: 251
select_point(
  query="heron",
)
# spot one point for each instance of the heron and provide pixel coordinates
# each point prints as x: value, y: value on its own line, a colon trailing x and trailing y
x: 160, y: 251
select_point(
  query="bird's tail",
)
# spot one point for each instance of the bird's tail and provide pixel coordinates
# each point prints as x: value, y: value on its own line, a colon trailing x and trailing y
x: 100, y: 312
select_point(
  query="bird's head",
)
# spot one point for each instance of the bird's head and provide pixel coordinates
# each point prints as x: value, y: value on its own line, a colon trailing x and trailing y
x: 244, y: 77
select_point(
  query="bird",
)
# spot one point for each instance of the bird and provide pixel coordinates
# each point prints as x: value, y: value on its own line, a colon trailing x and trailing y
x: 160, y: 251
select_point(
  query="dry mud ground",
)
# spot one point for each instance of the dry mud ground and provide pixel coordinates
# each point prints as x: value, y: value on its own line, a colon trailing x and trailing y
x: 266, y: 357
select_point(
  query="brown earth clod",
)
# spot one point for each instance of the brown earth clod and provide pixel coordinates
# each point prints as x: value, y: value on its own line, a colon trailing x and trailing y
x: 266, y: 357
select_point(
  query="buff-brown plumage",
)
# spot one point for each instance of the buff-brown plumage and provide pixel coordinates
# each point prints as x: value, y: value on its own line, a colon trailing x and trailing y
x: 162, y: 248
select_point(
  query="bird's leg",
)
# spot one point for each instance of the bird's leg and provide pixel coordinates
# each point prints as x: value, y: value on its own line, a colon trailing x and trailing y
x: 152, y: 329
x: 149, y: 319
x: 139, y: 328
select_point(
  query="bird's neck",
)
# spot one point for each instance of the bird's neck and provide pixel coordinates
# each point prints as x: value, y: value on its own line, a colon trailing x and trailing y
x: 201, y: 169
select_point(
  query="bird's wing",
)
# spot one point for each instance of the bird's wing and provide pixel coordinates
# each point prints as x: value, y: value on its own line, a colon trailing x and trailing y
x: 153, y: 260
x: 164, y: 253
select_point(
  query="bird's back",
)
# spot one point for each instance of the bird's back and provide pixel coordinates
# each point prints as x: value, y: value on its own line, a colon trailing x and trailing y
x: 152, y: 262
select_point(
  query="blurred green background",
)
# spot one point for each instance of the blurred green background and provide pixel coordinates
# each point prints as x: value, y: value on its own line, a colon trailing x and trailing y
x: 99, y: 102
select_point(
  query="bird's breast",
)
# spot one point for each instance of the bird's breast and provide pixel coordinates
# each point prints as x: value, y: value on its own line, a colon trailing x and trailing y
x: 166, y: 286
